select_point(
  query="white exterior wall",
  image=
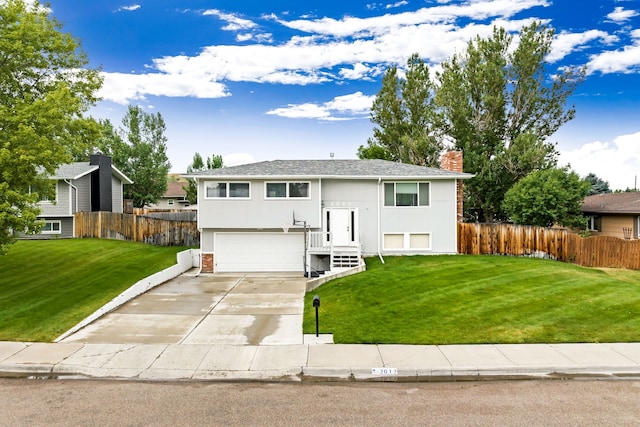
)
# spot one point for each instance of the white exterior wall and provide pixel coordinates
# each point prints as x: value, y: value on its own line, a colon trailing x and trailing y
x: 438, y: 219
x: 360, y: 194
x: 367, y: 196
x: 258, y: 212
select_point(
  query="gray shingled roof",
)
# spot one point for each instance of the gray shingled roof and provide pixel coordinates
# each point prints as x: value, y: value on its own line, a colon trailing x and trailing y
x: 74, y: 170
x: 79, y: 169
x: 329, y: 168
x: 613, y: 203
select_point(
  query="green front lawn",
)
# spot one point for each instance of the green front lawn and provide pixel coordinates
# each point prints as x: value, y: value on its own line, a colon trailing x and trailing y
x: 48, y: 286
x: 478, y: 299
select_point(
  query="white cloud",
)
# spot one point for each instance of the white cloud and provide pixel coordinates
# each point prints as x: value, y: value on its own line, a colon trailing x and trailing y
x: 358, y: 72
x: 566, y: 43
x: 122, y: 88
x: 617, y: 162
x: 396, y: 4
x: 259, y: 38
x: 346, y: 107
x: 620, y: 15
x: 348, y: 49
x: 625, y: 60
x: 446, y: 14
x: 130, y: 8
x: 234, y: 22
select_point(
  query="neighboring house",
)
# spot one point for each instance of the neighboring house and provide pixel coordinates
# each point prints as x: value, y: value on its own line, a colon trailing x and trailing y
x: 613, y: 214
x: 316, y: 215
x: 174, y: 198
x: 84, y: 186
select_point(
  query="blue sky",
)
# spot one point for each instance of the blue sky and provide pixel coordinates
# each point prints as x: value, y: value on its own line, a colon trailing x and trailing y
x: 259, y: 80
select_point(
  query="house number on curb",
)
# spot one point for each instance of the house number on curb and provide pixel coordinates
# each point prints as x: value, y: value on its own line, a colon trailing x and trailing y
x: 384, y: 371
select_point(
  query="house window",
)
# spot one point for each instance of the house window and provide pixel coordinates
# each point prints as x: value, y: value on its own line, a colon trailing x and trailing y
x: 51, y: 227
x: 394, y: 241
x: 283, y: 190
x: 406, y: 194
x: 47, y: 191
x: 225, y: 190
x: 170, y: 202
x: 594, y: 223
x: 407, y: 241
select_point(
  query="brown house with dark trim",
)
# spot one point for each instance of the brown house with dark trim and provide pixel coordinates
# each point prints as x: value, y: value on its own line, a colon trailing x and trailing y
x: 613, y: 214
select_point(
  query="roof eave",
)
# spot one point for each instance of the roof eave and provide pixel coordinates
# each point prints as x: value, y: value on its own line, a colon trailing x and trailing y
x: 361, y: 177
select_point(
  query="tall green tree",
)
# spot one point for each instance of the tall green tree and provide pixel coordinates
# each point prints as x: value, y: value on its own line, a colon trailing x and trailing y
x: 547, y: 197
x: 500, y: 104
x: 198, y: 165
x: 45, y: 89
x: 138, y: 148
x: 598, y: 185
x: 405, y: 118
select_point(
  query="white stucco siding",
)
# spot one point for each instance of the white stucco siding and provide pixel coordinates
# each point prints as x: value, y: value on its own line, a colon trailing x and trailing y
x: 359, y: 194
x: 258, y: 212
x: 438, y: 220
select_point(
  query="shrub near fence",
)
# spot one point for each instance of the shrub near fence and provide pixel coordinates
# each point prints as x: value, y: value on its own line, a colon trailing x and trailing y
x: 110, y: 225
x: 559, y: 244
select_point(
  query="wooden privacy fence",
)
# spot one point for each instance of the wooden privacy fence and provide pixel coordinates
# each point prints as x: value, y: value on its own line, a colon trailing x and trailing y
x: 558, y: 244
x: 118, y: 226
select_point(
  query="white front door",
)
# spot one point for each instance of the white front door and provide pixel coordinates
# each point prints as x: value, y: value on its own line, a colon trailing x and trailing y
x: 341, y: 225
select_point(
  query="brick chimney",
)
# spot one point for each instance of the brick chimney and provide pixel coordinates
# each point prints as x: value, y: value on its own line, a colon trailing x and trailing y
x: 452, y: 161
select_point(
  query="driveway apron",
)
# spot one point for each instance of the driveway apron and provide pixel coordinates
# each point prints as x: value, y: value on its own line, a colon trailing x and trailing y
x: 223, y: 308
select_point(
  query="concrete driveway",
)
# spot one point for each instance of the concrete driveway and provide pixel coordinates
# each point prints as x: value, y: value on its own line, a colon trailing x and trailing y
x: 238, y: 309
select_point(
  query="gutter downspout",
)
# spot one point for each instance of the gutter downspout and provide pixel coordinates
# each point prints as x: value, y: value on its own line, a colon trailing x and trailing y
x: 199, y: 229
x: 70, y: 202
x: 378, y: 234
x: 76, y: 194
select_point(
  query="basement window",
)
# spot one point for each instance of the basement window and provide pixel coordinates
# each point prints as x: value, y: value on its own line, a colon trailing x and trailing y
x: 407, y: 241
x: 52, y: 227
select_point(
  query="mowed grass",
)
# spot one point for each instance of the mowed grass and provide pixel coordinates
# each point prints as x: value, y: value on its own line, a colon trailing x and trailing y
x: 478, y: 299
x: 47, y: 286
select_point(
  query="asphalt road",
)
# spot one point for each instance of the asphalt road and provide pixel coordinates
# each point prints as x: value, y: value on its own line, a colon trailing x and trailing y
x: 530, y: 403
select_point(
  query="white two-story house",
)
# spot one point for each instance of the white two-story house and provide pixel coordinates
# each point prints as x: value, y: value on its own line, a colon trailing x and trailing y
x: 316, y: 215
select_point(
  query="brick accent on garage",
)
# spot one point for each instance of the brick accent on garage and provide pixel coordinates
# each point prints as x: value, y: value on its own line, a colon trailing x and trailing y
x: 207, y: 263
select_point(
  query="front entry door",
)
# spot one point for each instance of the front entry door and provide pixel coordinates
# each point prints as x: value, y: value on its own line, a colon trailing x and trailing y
x: 341, y: 225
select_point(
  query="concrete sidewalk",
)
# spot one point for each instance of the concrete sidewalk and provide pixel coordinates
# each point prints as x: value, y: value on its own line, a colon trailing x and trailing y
x: 318, y: 362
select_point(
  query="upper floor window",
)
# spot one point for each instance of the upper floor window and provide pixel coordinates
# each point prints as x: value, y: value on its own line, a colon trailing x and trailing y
x: 47, y: 191
x: 406, y: 194
x: 283, y: 190
x: 224, y: 190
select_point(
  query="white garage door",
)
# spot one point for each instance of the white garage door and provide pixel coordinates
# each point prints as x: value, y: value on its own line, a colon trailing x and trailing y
x: 259, y: 252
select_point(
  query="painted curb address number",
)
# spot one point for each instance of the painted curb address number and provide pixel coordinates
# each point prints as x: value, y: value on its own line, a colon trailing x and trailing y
x: 384, y: 371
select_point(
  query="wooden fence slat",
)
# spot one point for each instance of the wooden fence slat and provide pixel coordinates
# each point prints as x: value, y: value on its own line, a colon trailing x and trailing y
x: 119, y: 226
x: 559, y: 244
